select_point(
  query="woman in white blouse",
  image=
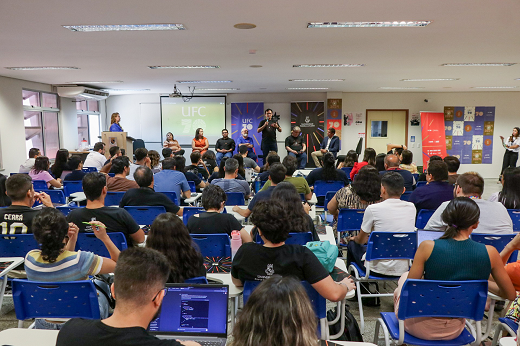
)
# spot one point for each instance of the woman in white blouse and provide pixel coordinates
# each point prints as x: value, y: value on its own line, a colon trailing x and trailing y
x: 512, y: 148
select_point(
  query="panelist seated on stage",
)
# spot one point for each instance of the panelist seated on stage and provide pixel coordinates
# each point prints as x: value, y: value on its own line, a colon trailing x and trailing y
x: 224, y: 146
x: 296, y: 147
x: 173, y: 144
x: 199, y: 143
x: 330, y: 144
x: 245, y: 141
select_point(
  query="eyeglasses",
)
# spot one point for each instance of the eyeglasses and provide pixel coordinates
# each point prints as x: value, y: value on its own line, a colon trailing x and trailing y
x: 155, y: 297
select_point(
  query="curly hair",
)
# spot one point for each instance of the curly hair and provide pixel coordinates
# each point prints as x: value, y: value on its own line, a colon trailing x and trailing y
x: 155, y: 158
x: 287, y: 195
x: 367, y: 184
x: 169, y: 236
x: 272, y: 220
x: 50, y: 228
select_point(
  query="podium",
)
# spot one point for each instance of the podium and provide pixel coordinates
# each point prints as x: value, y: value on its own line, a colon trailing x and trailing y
x: 119, y: 139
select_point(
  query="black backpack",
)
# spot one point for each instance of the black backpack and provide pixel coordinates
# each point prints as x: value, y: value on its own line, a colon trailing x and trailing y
x: 351, y: 332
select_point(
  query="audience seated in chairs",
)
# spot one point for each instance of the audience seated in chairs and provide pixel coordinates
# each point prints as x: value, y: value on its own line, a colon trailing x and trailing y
x: 405, y: 159
x: 258, y: 262
x: 5, y: 201
x: 453, y: 166
x: 300, y: 183
x: 454, y: 257
x: 494, y: 218
x: 96, y: 158
x: 115, y: 219
x: 180, y: 163
x: 213, y: 220
x: 350, y: 159
x: 113, y: 152
x: 120, y: 166
x: 40, y: 171
x: 169, y: 236
x: 282, y: 304
x: 390, y: 215
x: 145, y: 194
x: 422, y: 176
x: 155, y: 161
x: 18, y: 217
x: 57, y: 260
x: 369, y: 158
x: 241, y: 169
x: 141, y: 159
x: 327, y: 173
x: 437, y: 191
x: 29, y: 163
x: 272, y: 158
x: 195, y: 167
x: 513, y: 268
x: 138, y: 287
x: 210, y: 160
x: 392, y: 165
x: 248, y: 162
x: 229, y: 183
x: 510, y: 194
x: 76, y: 166
x: 60, y: 163
x: 170, y: 179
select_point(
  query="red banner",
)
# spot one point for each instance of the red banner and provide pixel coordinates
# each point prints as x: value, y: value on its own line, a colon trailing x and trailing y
x: 433, y: 136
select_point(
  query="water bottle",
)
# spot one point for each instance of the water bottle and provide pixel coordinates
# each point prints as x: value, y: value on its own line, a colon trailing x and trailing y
x: 236, y: 242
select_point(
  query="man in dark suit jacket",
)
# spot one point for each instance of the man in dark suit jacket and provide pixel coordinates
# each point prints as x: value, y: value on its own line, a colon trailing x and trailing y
x: 392, y: 165
x: 329, y: 144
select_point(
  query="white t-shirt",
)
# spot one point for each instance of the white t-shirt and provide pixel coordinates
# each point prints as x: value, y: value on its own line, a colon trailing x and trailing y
x: 494, y: 218
x: 516, y: 141
x: 391, y: 215
x: 95, y: 159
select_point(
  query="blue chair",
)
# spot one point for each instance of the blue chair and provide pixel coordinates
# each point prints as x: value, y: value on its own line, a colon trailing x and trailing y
x: 258, y: 185
x: 423, y: 217
x: 89, y: 169
x: 349, y: 220
x: 65, y: 209
x: 382, y: 246
x: 235, y: 198
x: 321, y: 187
x: 197, y: 280
x: 515, y: 217
x: 39, y: 185
x: 69, y: 187
x: 172, y: 196
x: 144, y: 215
x: 193, y: 187
x: 324, y: 217
x: 347, y: 170
x: 17, y: 245
x: 57, y: 196
x: 406, y: 196
x: 216, y: 251
x: 111, y: 175
x: 498, y: 241
x: 506, y: 324
x: 35, y: 299
x: 298, y: 238
x: 429, y: 298
x: 189, y: 211
x: 420, y: 183
x: 113, y: 198
x: 89, y: 242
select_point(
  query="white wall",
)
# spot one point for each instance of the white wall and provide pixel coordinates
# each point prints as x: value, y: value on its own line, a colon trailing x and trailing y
x: 68, y: 121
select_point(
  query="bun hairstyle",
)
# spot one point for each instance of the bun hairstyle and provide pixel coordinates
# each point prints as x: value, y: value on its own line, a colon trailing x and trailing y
x: 50, y: 228
x: 461, y: 213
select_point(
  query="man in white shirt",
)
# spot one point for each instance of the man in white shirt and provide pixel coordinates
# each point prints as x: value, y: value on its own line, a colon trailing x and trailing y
x: 97, y: 157
x: 29, y: 163
x: 391, y: 215
x: 494, y: 217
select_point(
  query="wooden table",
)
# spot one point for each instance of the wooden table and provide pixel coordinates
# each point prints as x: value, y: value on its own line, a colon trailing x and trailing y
x: 28, y: 337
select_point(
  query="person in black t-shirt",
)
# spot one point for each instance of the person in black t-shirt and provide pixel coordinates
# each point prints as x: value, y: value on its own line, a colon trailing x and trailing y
x: 224, y: 146
x: 268, y: 127
x: 138, y: 287
x: 115, y: 219
x: 77, y: 173
x: 180, y: 163
x: 296, y: 147
x: 195, y: 168
x: 255, y: 262
x: 213, y: 220
x: 18, y: 218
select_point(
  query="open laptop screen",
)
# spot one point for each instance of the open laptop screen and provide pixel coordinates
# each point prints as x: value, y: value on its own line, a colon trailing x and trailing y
x: 193, y: 309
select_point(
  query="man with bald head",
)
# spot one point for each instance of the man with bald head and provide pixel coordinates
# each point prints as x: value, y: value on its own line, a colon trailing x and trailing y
x: 392, y: 165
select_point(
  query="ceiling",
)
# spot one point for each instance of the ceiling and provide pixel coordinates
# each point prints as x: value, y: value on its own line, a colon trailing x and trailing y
x: 479, y: 31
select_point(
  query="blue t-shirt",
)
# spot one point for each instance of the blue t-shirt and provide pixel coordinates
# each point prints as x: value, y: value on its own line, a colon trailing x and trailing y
x: 242, y: 140
x: 170, y: 180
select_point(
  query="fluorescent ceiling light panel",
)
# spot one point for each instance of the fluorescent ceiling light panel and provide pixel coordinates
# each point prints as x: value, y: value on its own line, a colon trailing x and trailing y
x: 34, y: 68
x: 203, y: 81
x: 123, y: 90
x: 229, y: 89
x: 484, y: 64
x: 316, y: 80
x: 307, y: 88
x: 125, y: 27
x: 495, y: 87
x: 187, y: 66
x: 398, y: 88
x: 96, y: 82
x: 429, y: 79
x: 395, y: 24
x: 329, y: 65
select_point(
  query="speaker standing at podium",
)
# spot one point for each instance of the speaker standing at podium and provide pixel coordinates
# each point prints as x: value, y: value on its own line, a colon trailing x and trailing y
x: 114, y: 123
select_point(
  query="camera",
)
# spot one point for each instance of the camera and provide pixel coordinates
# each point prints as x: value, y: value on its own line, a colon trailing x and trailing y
x: 276, y: 117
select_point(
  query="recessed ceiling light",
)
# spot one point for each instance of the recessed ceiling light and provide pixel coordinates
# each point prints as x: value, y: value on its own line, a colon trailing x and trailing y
x: 429, y: 79
x: 203, y: 81
x: 494, y: 87
x: 95, y: 82
x: 123, y: 90
x: 125, y: 27
x: 186, y: 66
x: 395, y: 24
x: 472, y: 64
x: 397, y: 88
x: 307, y: 88
x: 255, y: 66
x: 245, y: 26
x: 316, y: 80
x: 229, y: 89
x: 329, y: 65
x: 34, y: 68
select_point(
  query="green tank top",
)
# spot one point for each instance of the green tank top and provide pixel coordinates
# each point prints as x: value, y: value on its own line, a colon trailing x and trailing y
x: 454, y: 260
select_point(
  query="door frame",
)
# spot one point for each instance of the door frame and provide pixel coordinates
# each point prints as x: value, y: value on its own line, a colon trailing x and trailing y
x: 387, y: 110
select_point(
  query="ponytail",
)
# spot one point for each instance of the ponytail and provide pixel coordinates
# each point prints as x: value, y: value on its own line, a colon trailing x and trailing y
x: 460, y: 214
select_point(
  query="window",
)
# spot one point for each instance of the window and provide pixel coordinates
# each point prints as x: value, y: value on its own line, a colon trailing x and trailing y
x: 379, y: 129
x: 89, y: 127
x: 41, y: 122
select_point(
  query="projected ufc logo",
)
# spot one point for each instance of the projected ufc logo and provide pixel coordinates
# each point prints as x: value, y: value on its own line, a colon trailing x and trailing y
x: 193, y: 111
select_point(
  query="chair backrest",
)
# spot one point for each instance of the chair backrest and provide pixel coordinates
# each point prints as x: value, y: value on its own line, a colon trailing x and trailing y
x: 35, y: 299
x: 416, y: 177
x: 113, y: 198
x: 391, y: 245
x: 498, y: 241
x: 39, y: 185
x: 456, y: 299
x: 57, y: 196
x: 406, y: 195
x: 515, y: 217
x: 65, y: 209
x: 421, y: 183
x: 298, y: 238
x: 89, y: 169
x: 172, y: 195
x: 321, y: 187
x: 197, y: 280
x: 258, y: 185
x: 350, y: 219
x: 70, y: 187
x: 330, y: 195
x: 423, y: 217
x: 347, y: 170
x: 235, y: 198
x: 193, y: 187
x: 213, y: 245
x: 189, y: 211
x: 89, y: 242
x: 144, y: 215
x: 17, y: 245
x: 111, y: 175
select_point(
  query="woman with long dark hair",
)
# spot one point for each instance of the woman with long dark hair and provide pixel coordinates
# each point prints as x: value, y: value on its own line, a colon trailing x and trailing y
x: 278, y: 313
x: 40, y: 171
x: 380, y: 162
x: 199, y: 143
x: 327, y: 173
x: 454, y: 257
x: 406, y: 159
x: 5, y: 201
x: 369, y: 158
x: 170, y: 236
x: 510, y: 194
x: 60, y: 164
x: 350, y: 159
x: 512, y: 148
x: 210, y: 160
x: 240, y: 160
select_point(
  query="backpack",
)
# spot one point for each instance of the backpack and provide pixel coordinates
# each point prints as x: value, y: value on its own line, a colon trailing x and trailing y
x: 325, y: 251
x: 351, y: 331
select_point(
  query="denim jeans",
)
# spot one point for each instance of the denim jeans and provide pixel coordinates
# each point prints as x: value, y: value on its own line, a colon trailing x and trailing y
x: 302, y: 159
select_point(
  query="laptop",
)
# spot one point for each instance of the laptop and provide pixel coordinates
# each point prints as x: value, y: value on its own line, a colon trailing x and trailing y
x: 193, y: 312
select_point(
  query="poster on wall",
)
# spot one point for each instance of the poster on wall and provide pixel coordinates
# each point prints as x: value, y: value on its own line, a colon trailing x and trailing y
x: 247, y: 115
x: 433, y: 139
x: 469, y: 133
x: 309, y: 116
x: 334, y: 116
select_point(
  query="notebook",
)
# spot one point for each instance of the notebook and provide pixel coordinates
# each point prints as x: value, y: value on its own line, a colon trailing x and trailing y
x: 193, y: 312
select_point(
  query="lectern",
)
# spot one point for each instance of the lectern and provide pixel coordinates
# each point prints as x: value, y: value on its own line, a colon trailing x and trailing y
x: 120, y: 139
